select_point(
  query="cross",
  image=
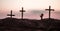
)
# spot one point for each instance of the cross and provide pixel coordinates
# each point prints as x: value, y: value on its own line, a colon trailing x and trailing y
x: 49, y: 11
x: 10, y: 14
x: 22, y: 12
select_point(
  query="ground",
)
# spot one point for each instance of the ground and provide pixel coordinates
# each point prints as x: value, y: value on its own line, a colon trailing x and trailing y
x: 13, y: 24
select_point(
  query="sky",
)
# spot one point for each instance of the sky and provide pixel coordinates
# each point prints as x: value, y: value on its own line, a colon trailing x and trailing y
x: 33, y: 8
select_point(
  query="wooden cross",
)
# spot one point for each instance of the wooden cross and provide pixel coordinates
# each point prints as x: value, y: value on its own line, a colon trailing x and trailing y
x: 49, y: 11
x: 22, y: 12
x: 10, y: 14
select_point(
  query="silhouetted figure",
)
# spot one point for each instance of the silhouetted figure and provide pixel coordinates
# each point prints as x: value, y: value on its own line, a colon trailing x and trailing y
x: 22, y: 13
x: 41, y: 16
x: 49, y: 11
x: 10, y: 14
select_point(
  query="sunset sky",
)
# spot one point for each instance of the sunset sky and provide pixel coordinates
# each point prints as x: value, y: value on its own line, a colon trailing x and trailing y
x: 33, y: 8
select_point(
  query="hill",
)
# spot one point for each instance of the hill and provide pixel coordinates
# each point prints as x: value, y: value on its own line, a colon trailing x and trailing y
x: 13, y: 24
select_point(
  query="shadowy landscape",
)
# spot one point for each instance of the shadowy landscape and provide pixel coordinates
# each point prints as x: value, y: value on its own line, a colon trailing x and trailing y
x: 13, y: 24
x: 32, y: 10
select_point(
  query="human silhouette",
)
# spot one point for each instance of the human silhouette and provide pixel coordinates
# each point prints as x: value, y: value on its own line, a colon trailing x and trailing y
x: 41, y: 16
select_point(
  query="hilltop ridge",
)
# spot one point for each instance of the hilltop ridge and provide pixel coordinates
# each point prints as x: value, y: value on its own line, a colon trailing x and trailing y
x: 29, y: 24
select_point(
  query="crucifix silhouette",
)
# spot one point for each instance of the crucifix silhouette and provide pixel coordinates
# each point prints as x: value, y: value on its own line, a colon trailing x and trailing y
x: 22, y: 11
x: 10, y: 14
x: 49, y: 11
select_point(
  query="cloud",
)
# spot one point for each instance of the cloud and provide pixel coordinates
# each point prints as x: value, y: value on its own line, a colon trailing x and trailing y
x: 58, y: 12
x: 37, y: 11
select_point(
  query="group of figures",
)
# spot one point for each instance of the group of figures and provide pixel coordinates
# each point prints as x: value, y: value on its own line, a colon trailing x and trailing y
x: 22, y: 11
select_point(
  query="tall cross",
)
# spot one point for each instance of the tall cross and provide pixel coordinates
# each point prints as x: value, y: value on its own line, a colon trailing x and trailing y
x: 22, y: 12
x: 10, y: 14
x: 49, y: 11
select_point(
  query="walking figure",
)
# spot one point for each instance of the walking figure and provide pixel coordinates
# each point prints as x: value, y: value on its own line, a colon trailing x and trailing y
x: 41, y: 16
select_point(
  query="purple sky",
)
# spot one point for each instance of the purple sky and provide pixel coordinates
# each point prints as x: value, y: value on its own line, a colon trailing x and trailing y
x: 32, y: 14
